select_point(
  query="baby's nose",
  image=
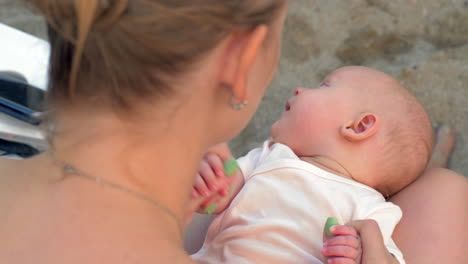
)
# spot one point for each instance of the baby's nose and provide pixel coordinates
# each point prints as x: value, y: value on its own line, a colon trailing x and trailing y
x: 299, y: 90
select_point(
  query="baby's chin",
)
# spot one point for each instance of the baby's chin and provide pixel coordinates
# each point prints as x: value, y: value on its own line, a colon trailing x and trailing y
x: 274, y: 130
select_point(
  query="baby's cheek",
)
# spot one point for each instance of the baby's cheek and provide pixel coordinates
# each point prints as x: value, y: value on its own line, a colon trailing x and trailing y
x: 305, y: 128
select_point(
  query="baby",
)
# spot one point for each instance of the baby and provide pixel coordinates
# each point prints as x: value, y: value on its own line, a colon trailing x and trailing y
x: 337, y: 150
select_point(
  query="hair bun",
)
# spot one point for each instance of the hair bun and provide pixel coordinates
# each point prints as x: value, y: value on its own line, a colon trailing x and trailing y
x: 111, y: 11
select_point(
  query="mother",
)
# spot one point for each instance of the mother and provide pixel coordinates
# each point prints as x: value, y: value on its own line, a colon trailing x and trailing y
x: 139, y: 90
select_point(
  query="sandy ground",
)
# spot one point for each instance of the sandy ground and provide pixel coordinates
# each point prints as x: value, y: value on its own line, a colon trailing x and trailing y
x: 423, y: 43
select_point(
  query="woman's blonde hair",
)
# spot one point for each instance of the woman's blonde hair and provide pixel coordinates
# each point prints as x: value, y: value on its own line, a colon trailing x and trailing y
x: 114, y: 52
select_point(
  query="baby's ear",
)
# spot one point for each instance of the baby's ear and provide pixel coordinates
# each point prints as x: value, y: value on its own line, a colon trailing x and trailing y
x: 361, y: 128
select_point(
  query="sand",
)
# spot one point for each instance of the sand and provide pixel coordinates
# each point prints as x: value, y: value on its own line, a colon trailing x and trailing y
x: 423, y: 43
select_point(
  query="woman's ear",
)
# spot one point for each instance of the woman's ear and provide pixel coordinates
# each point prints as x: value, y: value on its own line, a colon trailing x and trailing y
x: 241, y: 51
x: 363, y: 127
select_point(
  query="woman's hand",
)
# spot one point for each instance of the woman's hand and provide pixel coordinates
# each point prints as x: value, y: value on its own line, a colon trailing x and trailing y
x: 210, y: 176
x: 213, y: 190
x: 210, y: 179
x: 373, y: 248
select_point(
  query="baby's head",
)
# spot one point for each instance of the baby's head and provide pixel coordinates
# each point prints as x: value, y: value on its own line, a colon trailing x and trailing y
x: 366, y: 121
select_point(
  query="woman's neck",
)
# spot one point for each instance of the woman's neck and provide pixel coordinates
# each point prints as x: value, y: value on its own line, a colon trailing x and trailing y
x: 145, y: 160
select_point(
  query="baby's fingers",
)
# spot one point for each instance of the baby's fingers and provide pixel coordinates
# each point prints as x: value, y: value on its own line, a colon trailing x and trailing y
x: 340, y: 251
x: 342, y: 230
x: 350, y: 241
x: 339, y: 260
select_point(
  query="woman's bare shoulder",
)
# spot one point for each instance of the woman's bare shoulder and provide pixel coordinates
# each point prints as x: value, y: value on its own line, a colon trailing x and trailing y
x: 20, y: 170
x: 28, y: 181
x: 13, y: 171
x: 19, y: 181
x: 7, y: 171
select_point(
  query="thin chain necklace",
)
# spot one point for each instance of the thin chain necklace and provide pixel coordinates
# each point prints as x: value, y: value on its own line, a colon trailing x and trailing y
x: 71, y: 170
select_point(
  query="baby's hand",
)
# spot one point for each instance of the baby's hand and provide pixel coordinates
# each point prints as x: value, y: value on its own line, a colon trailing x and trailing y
x: 343, y: 247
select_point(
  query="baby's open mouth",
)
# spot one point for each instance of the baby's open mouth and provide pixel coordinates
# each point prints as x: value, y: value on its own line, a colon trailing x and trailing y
x: 287, y: 107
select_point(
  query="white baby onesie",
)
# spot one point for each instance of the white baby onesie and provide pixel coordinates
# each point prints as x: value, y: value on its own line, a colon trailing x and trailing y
x: 279, y: 214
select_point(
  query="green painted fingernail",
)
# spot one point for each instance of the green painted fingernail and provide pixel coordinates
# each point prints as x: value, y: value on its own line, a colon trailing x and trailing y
x: 230, y: 167
x: 210, y: 209
x: 331, y: 221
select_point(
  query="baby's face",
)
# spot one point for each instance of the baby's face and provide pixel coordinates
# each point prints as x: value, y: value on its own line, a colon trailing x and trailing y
x: 327, y: 121
x: 313, y: 117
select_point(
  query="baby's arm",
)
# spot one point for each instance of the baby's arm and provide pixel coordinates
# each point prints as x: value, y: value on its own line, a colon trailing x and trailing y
x: 218, y: 181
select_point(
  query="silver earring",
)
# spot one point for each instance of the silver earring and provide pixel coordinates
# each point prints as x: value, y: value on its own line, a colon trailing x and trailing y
x: 238, y: 106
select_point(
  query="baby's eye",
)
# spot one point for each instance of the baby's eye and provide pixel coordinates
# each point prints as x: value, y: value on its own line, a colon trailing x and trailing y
x: 324, y: 84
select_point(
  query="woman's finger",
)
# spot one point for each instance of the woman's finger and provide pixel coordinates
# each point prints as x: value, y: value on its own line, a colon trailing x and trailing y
x: 208, y: 175
x: 340, y: 251
x: 350, y: 241
x: 369, y: 230
x: 200, y: 186
x: 222, y: 150
x: 372, y: 243
x: 210, y: 206
x: 216, y: 164
x: 195, y: 193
